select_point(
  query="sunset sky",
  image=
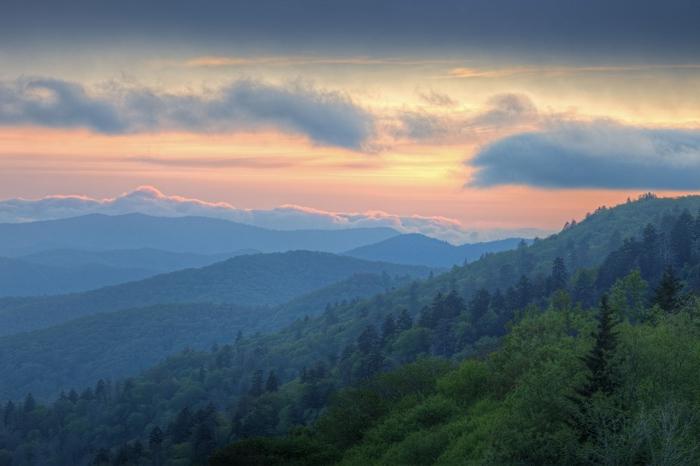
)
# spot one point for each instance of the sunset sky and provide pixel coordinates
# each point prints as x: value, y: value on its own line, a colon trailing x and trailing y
x: 500, y: 114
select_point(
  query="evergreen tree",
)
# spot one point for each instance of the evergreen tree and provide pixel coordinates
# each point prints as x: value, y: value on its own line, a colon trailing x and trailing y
x: 181, y: 428
x: 155, y: 438
x: 479, y: 304
x: 668, y: 293
x: 368, y: 340
x: 388, y: 327
x: 682, y: 235
x: 598, y: 361
x: 256, y: 385
x: 559, y: 277
x: 404, y: 321
x: 523, y: 293
x: 272, y: 384
x: 650, y: 257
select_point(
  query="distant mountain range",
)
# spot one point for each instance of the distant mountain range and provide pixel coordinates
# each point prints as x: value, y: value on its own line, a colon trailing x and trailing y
x: 423, y: 250
x: 198, y: 235
x: 248, y: 280
x: 69, y: 271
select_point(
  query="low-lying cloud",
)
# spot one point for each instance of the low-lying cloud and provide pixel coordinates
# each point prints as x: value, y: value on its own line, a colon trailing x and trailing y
x: 325, y: 117
x: 599, y: 154
x: 149, y: 200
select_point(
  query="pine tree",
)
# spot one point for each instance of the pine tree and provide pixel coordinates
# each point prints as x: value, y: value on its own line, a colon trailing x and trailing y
x: 388, y: 327
x: 599, y: 360
x: 559, y: 277
x: 272, y: 384
x: 479, y: 304
x: 368, y: 340
x: 155, y: 438
x: 404, y: 321
x: 682, y: 235
x: 181, y: 428
x: 601, y: 378
x: 668, y: 293
x: 256, y: 385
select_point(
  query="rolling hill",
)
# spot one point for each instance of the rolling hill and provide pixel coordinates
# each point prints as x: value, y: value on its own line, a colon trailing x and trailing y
x: 199, y: 235
x: 155, y: 260
x: 123, y: 343
x: 417, y: 249
x: 249, y: 280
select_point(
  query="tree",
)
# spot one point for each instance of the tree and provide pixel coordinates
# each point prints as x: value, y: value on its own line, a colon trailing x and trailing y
x: 598, y: 361
x: 368, y: 340
x: 559, y: 277
x: 181, y: 428
x: 272, y: 384
x: 682, y: 235
x: 404, y: 321
x: 628, y: 296
x: 601, y: 379
x: 256, y: 385
x: 388, y: 327
x: 668, y: 293
x: 155, y: 438
x: 649, y: 259
x: 479, y: 304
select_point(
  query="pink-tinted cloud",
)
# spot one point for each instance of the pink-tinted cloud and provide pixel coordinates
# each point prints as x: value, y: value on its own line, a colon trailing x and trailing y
x: 149, y: 200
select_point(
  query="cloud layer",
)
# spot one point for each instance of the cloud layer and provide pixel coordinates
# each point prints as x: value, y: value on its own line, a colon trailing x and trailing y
x: 599, y: 154
x: 149, y: 200
x: 326, y: 118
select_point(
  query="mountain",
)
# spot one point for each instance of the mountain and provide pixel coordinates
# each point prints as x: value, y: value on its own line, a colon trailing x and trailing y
x: 154, y: 260
x: 249, y: 280
x: 199, y: 235
x: 23, y: 278
x: 62, y: 271
x: 201, y: 400
x: 123, y: 343
x: 419, y: 249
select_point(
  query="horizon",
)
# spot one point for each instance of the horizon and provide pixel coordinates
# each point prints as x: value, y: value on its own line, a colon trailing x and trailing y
x: 304, y: 218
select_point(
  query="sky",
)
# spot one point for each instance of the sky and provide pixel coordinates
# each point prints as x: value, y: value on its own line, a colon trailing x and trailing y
x: 448, y: 117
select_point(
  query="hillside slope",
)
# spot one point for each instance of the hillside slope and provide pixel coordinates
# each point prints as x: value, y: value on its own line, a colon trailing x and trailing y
x: 419, y: 249
x: 181, y: 234
x: 254, y: 280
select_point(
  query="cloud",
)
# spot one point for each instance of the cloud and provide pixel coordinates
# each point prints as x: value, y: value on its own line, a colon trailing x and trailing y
x: 327, y: 118
x: 149, y: 200
x: 507, y: 109
x: 541, y: 29
x: 598, y: 154
x: 437, y: 99
x: 503, y: 112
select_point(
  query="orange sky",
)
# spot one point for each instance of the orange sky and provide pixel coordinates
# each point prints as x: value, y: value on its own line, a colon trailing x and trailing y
x: 395, y: 172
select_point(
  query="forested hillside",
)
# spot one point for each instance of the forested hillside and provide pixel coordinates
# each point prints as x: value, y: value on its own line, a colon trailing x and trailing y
x: 122, y: 343
x: 425, y: 373
x: 419, y: 249
x: 249, y: 280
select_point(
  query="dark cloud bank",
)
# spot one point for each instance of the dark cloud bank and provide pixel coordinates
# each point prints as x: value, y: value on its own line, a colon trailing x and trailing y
x: 599, y: 154
x: 327, y: 118
x: 665, y: 29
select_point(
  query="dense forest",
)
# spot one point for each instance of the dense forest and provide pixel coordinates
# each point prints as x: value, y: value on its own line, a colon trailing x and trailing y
x: 581, y: 348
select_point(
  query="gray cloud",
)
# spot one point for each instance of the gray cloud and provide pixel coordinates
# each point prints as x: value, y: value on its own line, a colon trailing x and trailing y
x: 600, y: 154
x: 543, y: 28
x: 327, y: 118
x: 507, y: 109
